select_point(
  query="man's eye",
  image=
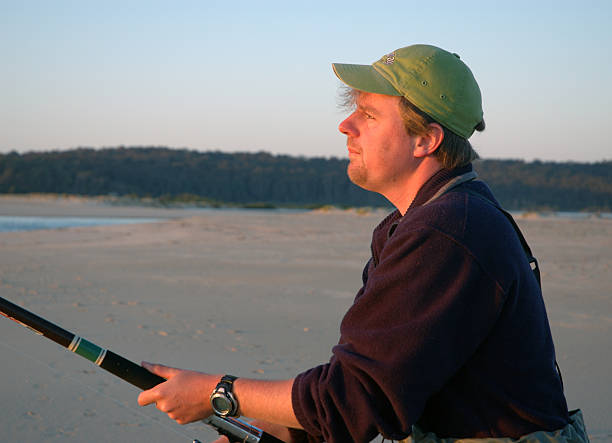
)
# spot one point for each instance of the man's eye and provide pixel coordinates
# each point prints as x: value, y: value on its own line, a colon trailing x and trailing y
x: 369, y: 116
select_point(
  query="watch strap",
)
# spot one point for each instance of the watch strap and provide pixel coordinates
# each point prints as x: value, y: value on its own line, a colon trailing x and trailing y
x: 225, y: 388
x: 227, y: 380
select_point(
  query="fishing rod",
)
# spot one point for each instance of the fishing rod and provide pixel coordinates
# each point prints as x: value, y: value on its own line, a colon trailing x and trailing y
x: 235, y: 430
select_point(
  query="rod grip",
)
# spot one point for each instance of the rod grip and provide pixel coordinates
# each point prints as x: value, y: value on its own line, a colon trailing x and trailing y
x: 130, y: 371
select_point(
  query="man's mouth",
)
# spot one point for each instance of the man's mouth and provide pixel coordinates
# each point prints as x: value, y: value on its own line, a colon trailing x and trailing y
x: 352, y: 150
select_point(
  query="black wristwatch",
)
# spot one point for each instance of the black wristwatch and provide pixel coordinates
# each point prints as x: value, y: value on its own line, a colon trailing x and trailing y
x: 222, y: 399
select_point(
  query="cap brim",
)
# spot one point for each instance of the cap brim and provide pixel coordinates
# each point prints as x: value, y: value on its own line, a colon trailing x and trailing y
x: 363, y: 78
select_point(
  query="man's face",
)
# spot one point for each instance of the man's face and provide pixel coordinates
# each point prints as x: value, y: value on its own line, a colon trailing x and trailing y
x: 380, y: 149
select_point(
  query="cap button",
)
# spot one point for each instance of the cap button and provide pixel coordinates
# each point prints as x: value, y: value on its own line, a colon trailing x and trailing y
x: 456, y: 55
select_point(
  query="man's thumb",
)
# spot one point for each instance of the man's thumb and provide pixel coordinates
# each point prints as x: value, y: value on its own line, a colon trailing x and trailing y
x: 161, y: 370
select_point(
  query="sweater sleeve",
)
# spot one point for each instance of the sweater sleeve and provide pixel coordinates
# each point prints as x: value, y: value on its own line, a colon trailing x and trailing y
x: 424, y: 309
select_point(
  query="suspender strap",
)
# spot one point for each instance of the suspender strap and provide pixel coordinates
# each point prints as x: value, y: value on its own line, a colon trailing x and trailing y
x: 469, y: 176
x: 533, y: 262
x: 456, y: 181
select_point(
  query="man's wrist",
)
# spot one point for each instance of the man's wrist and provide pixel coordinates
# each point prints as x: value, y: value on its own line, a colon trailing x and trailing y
x: 223, y: 400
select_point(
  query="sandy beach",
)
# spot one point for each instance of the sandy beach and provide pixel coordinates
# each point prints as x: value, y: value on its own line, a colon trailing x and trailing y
x: 253, y: 293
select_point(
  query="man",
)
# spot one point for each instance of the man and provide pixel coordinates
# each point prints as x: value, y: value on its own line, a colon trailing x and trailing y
x: 448, y: 336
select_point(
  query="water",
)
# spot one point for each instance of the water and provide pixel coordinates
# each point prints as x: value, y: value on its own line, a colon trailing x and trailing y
x: 31, y: 223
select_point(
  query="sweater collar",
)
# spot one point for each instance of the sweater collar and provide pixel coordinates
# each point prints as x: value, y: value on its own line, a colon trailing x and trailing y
x: 435, y: 182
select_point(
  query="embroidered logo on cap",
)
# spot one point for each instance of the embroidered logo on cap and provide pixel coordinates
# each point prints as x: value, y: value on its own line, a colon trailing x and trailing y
x: 389, y: 59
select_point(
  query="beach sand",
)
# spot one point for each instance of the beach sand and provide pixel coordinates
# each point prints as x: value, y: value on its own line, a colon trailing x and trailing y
x: 256, y: 294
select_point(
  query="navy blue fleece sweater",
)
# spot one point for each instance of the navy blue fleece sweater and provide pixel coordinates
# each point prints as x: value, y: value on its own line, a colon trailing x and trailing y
x: 449, y: 332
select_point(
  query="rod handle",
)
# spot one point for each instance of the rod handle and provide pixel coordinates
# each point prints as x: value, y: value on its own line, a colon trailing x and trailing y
x: 130, y: 371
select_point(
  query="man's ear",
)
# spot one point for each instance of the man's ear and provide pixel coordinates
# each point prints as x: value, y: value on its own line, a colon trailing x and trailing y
x: 428, y: 143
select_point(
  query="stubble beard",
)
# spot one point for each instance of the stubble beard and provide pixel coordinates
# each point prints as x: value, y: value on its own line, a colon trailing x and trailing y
x: 357, y: 173
x: 356, y: 169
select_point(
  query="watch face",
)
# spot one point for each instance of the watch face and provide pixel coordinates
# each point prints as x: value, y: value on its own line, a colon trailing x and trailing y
x: 221, y: 404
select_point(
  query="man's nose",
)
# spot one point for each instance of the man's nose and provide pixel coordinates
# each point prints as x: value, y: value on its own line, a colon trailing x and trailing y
x: 347, y: 127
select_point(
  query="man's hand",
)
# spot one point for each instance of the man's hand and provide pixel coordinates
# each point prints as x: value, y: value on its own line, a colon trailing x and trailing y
x: 185, y: 396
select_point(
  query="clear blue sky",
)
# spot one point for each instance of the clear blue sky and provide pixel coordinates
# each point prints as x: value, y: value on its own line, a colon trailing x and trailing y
x: 250, y: 76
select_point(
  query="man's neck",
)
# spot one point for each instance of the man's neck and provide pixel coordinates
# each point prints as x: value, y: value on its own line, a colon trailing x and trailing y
x: 402, y: 197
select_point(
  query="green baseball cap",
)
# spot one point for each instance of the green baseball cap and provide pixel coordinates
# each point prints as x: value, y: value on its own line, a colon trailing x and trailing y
x: 434, y: 80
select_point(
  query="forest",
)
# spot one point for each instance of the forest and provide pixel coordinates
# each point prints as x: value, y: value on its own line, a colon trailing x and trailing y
x: 175, y: 176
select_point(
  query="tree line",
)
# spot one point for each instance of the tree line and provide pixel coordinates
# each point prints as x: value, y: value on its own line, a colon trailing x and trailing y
x: 279, y: 180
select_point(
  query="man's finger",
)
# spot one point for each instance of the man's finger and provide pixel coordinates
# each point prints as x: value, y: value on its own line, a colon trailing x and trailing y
x: 148, y: 397
x: 161, y: 370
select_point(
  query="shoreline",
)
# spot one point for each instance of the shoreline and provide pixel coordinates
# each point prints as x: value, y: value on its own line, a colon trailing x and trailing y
x: 51, y: 205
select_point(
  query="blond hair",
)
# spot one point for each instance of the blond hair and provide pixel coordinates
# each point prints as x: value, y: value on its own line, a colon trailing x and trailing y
x: 454, y: 151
